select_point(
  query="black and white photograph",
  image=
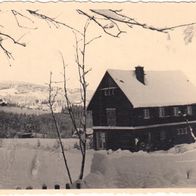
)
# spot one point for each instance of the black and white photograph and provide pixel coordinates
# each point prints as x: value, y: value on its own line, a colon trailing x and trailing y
x: 97, y: 95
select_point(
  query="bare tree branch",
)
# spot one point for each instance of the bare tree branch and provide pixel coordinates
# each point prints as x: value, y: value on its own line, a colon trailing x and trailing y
x: 16, y: 14
x: 8, y: 54
x: 115, y: 17
x: 22, y: 37
x: 80, y: 60
x: 52, y: 21
x: 69, y: 105
x: 93, y: 39
x: 105, y: 28
x: 51, y: 100
x: 81, y: 63
x: 12, y: 39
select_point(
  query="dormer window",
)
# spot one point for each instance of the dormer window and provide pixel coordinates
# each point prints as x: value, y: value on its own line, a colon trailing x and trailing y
x: 189, y: 110
x: 176, y: 111
x: 146, y: 114
x: 161, y: 112
x: 106, y: 92
x: 109, y: 91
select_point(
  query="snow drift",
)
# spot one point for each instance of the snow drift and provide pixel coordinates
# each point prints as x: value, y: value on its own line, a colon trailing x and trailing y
x: 123, y: 169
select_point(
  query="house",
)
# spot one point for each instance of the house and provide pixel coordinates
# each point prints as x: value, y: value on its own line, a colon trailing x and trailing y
x: 138, y: 109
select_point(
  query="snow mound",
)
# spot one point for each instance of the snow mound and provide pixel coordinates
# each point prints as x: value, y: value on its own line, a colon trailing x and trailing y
x: 123, y: 169
x: 34, y: 162
x: 181, y: 148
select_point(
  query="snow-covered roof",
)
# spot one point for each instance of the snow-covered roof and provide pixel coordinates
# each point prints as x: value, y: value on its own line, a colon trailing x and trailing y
x: 162, y: 88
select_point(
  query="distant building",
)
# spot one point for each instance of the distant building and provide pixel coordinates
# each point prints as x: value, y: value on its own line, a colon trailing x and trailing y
x: 146, y: 110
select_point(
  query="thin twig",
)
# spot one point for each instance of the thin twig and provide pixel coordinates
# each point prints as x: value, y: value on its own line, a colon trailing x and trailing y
x: 132, y: 21
x: 69, y: 104
x: 12, y: 39
x: 93, y: 39
x: 99, y: 24
x: 7, y: 53
x: 16, y: 14
x: 51, y: 102
x: 115, y: 16
x: 50, y: 20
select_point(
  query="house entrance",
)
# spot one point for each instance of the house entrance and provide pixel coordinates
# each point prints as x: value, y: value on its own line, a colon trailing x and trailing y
x: 101, y: 140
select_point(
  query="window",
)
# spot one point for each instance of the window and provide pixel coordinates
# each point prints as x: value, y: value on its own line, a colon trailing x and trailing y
x: 176, y: 111
x: 111, y: 116
x: 189, y: 110
x: 182, y: 131
x: 161, y: 112
x: 109, y: 91
x: 146, y: 114
x: 106, y: 92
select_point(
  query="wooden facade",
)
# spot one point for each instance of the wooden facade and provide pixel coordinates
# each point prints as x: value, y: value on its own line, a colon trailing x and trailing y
x: 118, y: 124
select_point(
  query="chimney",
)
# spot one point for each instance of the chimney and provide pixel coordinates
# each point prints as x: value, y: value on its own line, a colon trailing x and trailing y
x: 139, y: 72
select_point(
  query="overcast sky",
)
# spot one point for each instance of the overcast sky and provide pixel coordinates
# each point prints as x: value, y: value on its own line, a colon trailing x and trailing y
x: 153, y: 50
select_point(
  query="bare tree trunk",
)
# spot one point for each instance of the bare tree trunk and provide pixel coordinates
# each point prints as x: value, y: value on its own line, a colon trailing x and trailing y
x: 83, y: 163
x: 51, y: 102
x: 80, y: 46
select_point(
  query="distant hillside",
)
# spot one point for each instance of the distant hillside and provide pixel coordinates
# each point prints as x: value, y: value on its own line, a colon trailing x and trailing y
x: 34, y: 96
x: 21, y: 86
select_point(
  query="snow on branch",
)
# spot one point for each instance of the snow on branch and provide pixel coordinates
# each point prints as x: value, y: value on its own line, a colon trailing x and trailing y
x: 106, y: 27
x: 115, y: 17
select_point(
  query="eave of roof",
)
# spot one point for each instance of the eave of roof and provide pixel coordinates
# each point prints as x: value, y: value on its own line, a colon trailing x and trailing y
x: 162, y: 88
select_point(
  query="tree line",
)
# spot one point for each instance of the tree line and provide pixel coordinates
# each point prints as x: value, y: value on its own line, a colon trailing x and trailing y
x: 41, y: 125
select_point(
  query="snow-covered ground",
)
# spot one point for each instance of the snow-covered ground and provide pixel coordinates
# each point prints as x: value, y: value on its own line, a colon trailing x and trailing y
x: 34, y: 162
x: 123, y: 169
x: 34, y: 96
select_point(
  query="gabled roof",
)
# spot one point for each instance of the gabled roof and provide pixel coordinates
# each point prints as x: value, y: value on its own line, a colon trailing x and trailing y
x: 162, y: 88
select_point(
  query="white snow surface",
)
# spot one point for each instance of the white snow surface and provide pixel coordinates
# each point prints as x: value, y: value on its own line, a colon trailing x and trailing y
x: 162, y: 88
x: 162, y: 169
x: 34, y: 96
x: 34, y: 162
